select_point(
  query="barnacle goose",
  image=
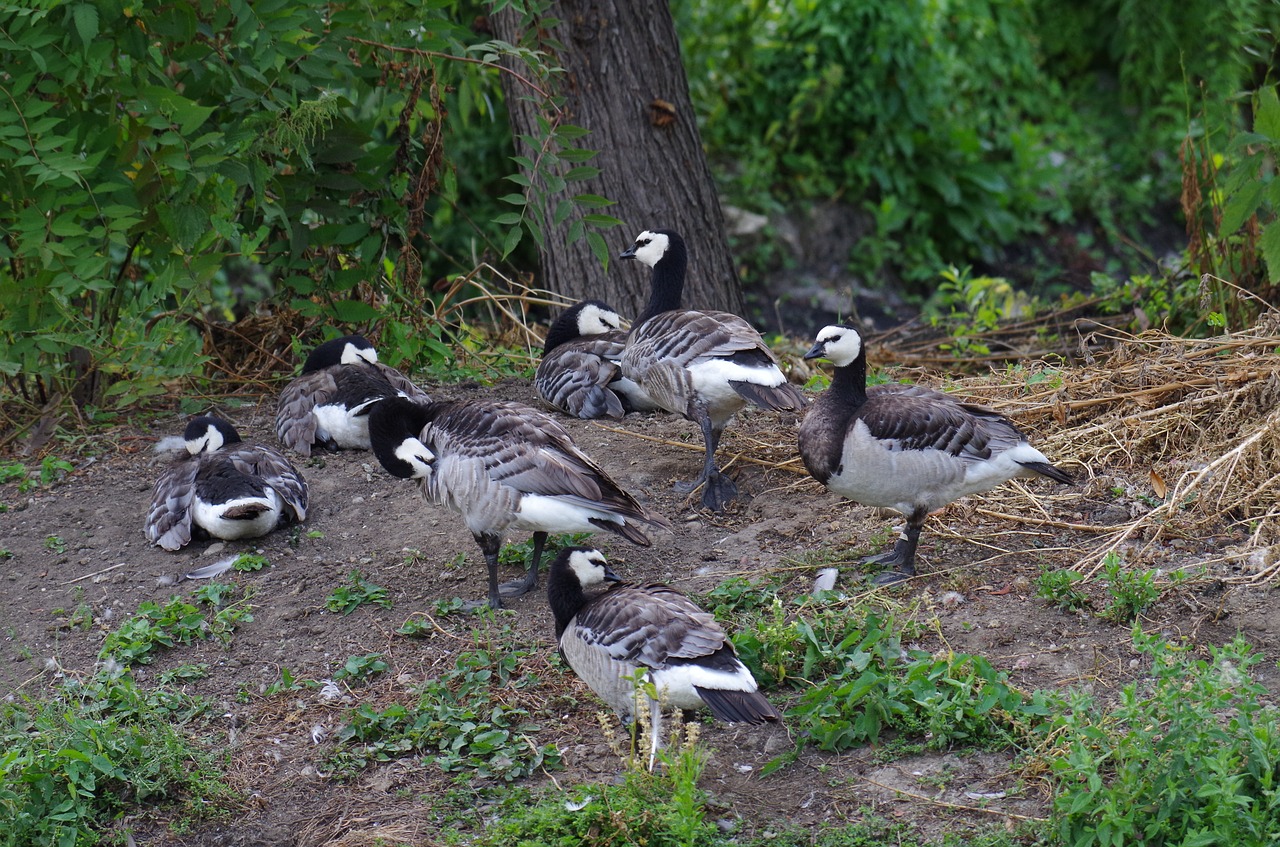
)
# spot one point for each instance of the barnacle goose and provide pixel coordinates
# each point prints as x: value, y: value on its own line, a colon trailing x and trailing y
x: 328, y: 403
x: 907, y: 448
x: 503, y: 467
x: 608, y: 637
x: 579, y: 372
x: 705, y: 365
x: 223, y: 488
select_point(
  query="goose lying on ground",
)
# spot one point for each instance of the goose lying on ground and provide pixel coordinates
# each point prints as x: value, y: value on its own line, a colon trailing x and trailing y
x: 327, y: 405
x: 607, y: 637
x: 224, y: 488
x: 579, y: 372
x: 705, y: 365
x: 905, y: 447
x: 504, y: 467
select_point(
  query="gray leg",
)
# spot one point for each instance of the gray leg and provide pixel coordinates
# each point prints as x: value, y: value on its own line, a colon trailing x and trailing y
x: 901, y: 560
x: 519, y: 587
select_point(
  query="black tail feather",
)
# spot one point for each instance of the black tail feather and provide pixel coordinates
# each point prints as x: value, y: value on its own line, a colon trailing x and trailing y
x: 776, y: 398
x: 739, y: 706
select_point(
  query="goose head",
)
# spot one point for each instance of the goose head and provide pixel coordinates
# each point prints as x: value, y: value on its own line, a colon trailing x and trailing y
x: 395, y: 428
x: 590, y: 567
x: 347, y: 350
x: 842, y: 345
x: 208, y: 434
x: 596, y: 318
x: 652, y: 247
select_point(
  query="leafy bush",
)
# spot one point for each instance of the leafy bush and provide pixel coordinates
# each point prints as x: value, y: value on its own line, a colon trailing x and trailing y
x: 1190, y: 755
x: 177, y: 622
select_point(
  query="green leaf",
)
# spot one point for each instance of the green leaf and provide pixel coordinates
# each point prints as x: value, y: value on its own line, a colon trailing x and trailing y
x: 1241, y: 205
x: 1267, y: 118
x: 354, y: 311
x: 512, y: 240
x: 86, y: 21
x: 599, y: 249
x: 1270, y: 241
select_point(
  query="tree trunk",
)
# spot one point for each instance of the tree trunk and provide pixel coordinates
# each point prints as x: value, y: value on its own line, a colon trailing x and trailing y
x: 624, y: 82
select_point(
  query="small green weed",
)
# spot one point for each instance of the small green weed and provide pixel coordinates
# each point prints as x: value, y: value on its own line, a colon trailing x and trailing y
x: 12, y: 471
x: 55, y: 543
x: 1132, y: 592
x: 362, y: 667
x: 249, y: 562
x: 1059, y: 588
x: 354, y: 593
x: 176, y: 622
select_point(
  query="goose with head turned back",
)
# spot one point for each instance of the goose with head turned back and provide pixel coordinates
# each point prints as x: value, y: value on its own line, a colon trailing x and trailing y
x: 504, y: 467
x: 608, y: 636
x: 579, y: 372
x: 907, y: 448
x: 328, y: 404
x: 224, y: 488
x: 705, y: 365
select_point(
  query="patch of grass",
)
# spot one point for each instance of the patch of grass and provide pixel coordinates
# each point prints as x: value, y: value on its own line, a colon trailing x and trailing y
x: 55, y: 544
x: 96, y: 751
x: 462, y: 721
x: 354, y: 593
x: 362, y: 667
x: 249, y: 562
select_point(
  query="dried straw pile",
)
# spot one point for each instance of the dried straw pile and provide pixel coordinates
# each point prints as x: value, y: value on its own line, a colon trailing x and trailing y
x: 1199, y: 418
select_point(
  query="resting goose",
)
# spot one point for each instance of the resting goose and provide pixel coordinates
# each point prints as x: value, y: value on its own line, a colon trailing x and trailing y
x: 327, y: 405
x: 609, y: 636
x: 224, y: 488
x: 504, y: 467
x: 905, y: 447
x: 705, y: 365
x: 579, y: 372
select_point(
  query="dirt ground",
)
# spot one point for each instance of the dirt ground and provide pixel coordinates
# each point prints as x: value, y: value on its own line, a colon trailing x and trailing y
x: 976, y: 591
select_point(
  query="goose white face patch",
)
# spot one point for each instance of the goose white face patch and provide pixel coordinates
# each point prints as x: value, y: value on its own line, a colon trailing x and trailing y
x: 416, y: 455
x: 351, y: 354
x: 593, y: 320
x: 210, y: 442
x: 841, y: 344
x: 588, y: 566
x: 651, y: 247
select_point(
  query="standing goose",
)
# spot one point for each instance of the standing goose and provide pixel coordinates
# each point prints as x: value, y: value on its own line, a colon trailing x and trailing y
x: 609, y: 636
x: 223, y: 488
x: 579, y: 372
x: 705, y: 365
x: 504, y: 467
x: 328, y: 403
x: 905, y: 447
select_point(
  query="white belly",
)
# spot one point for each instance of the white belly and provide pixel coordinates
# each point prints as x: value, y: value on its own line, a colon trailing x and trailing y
x: 211, y: 517
x: 347, y: 431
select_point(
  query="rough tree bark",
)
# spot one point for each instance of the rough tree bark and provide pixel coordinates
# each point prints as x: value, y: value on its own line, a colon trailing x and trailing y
x: 624, y: 81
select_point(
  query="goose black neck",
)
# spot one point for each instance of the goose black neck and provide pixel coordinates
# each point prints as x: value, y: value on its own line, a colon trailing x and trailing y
x: 667, y: 284
x: 850, y: 381
x: 566, y: 598
x: 564, y: 329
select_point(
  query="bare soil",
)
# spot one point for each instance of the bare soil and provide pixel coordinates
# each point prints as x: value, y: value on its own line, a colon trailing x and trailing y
x: 976, y: 593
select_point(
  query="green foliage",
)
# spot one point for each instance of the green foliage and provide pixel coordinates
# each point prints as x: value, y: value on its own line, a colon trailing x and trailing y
x: 94, y: 751
x: 521, y: 552
x: 177, y: 622
x: 1059, y: 588
x: 463, y: 720
x: 1190, y: 755
x: 969, y: 306
x: 198, y: 159
x: 930, y: 116
x: 662, y: 809
x: 354, y: 593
